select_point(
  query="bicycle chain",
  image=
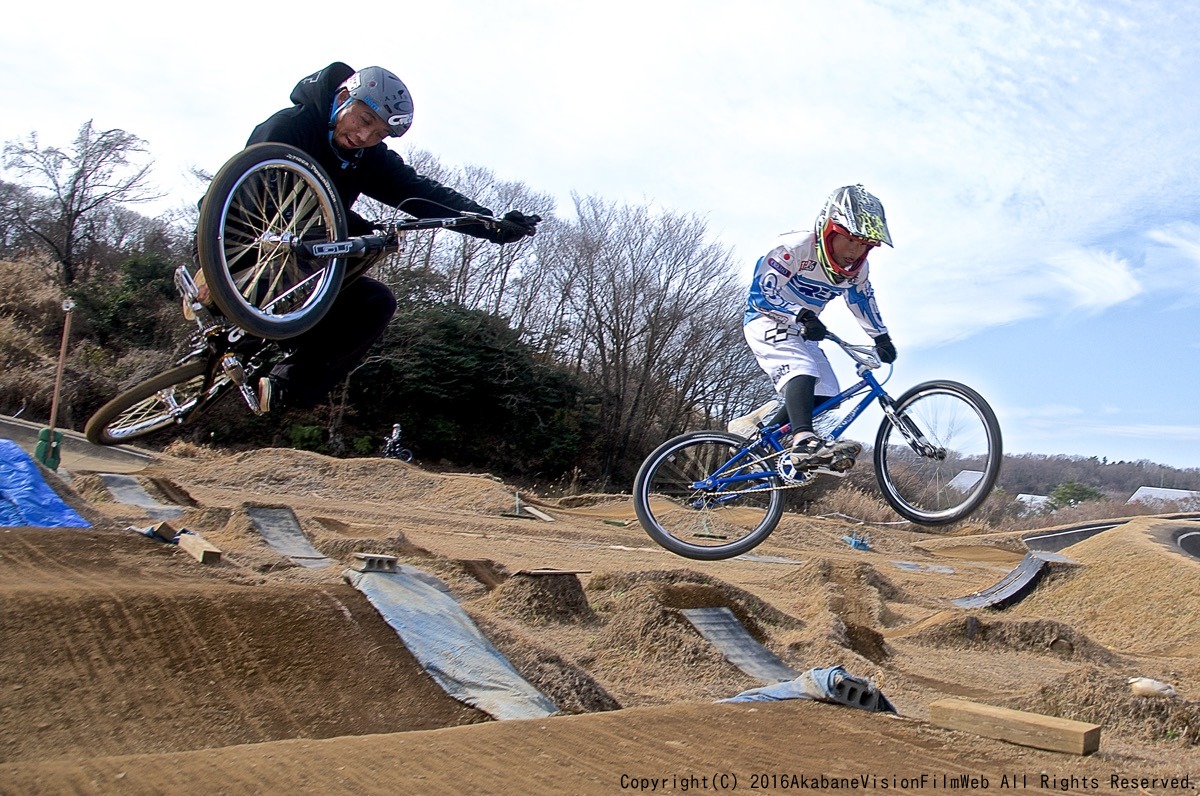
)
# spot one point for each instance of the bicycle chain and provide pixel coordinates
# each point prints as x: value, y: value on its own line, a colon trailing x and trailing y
x: 765, y: 459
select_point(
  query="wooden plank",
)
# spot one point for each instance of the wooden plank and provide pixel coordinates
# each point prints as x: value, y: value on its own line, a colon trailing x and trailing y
x: 1016, y: 726
x: 200, y: 548
x: 165, y: 531
x: 541, y: 515
x: 549, y: 571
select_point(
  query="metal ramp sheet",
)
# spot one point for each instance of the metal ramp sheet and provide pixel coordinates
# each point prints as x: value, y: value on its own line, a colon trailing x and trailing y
x: 1016, y: 584
x: 449, y: 645
x: 721, y: 628
x: 281, y: 529
x: 127, y: 489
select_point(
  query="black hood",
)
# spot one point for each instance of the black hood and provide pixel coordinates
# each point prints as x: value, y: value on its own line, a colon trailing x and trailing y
x: 316, y: 91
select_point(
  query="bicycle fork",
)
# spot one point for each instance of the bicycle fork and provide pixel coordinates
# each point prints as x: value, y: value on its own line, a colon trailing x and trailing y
x: 910, y: 431
x: 231, y: 363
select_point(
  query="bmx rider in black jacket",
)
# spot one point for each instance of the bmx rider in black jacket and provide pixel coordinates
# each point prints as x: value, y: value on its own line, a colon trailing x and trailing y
x: 340, y: 118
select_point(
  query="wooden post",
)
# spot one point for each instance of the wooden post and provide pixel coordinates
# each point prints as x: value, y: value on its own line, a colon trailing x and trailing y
x: 200, y: 548
x: 1016, y: 726
x: 47, y: 449
x: 67, y: 306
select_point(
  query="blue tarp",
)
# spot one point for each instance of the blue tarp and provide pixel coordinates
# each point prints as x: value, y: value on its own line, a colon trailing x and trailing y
x: 26, y: 498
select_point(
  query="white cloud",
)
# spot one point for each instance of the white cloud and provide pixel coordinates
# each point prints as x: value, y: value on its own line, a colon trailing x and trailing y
x: 1091, y: 280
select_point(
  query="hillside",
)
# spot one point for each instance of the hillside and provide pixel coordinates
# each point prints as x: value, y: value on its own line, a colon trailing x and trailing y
x: 128, y: 667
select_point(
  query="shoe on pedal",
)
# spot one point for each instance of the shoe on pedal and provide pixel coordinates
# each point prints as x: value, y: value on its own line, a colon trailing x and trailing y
x: 268, y: 394
x: 809, y: 450
x: 746, y: 425
x: 844, y: 448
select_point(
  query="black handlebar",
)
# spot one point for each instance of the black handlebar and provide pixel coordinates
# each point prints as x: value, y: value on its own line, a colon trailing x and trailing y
x: 371, y: 244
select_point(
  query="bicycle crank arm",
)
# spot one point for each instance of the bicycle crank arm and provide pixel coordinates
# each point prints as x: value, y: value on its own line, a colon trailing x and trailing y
x: 235, y: 371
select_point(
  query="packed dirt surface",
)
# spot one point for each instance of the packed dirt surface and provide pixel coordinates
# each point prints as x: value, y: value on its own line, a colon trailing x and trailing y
x: 126, y: 666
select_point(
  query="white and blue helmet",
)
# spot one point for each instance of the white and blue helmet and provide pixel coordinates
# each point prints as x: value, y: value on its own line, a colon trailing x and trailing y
x: 850, y: 210
x: 385, y: 94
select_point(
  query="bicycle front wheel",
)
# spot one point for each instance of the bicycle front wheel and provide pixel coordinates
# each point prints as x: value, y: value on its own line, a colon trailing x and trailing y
x: 938, y: 457
x: 264, y: 201
x: 170, y: 398
x: 701, y: 496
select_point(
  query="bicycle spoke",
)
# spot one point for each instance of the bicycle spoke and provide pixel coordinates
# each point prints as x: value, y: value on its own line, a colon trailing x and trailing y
x: 938, y: 456
x: 688, y: 503
x: 261, y: 205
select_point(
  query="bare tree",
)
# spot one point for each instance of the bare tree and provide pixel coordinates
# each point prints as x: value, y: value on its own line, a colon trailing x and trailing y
x: 656, y: 310
x: 85, y: 182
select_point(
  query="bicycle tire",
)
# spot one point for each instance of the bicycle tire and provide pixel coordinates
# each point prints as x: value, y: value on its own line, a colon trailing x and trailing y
x: 959, y: 422
x: 262, y: 286
x: 172, y: 397
x: 400, y: 454
x: 700, y: 524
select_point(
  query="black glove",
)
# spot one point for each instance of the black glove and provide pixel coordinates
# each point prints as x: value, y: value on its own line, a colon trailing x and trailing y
x: 813, y: 328
x: 885, y: 349
x: 517, y: 226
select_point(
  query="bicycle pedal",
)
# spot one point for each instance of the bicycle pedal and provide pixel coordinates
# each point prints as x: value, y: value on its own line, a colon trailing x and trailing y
x: 842, y: 464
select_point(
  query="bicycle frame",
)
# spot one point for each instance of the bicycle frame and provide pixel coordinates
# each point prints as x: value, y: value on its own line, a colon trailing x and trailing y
x: 218, y: 340
x: 770, y: 438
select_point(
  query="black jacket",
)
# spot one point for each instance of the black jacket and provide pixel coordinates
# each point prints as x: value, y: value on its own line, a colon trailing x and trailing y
x: 377, y: 171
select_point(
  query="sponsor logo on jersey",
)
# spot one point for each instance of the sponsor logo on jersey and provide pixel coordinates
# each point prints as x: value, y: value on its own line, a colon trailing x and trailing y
x: 778, y: 266
x: 808, y: 265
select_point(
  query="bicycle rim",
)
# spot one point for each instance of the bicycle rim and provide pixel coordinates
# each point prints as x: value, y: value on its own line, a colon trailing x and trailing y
x: 706, y: 522
x: 255, y: 274
x: 157, y: 403
x: 951, y: 481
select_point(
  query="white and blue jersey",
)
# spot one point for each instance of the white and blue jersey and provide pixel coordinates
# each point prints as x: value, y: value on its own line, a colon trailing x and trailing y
x: 788, y: 279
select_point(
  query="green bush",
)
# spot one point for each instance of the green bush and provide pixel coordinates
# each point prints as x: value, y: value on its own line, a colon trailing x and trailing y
x: 307, y: 438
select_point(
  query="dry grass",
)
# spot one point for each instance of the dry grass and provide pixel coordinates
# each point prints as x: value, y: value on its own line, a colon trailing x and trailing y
x: 28, y: 293
x: 851, y: 501
x: 1102, y: 697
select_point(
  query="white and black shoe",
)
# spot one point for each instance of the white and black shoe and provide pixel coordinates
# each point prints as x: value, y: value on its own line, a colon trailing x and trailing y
x: 809, y: 450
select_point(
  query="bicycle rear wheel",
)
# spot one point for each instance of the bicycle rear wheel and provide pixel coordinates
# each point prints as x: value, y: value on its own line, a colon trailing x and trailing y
x: 947, y: 479
x: 686, y: 502
x: 263, y: 200
x: 170, y: 398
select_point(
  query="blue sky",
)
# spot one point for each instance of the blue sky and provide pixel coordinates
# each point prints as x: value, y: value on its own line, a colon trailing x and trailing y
x: 1039, y: 159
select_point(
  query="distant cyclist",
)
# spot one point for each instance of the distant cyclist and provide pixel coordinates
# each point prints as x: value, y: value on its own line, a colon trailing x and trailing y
x: 790, y: 287
x: 392, y: 449
x: 340, y: 118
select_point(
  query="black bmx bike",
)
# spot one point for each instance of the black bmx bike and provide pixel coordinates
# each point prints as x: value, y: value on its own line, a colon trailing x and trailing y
x: 273, y: 254
x: 711, y: 495
x: 393, y: 448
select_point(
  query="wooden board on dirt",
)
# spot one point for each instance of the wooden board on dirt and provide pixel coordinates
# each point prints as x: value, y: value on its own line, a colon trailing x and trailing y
x: 200, y: 548
x: 541, y: 515
x: 1016, y: 726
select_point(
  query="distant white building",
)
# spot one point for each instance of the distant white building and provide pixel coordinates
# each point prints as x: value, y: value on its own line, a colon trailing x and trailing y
x: 1158, y: 494
x: 966, y: 480
x: 1034, y: 503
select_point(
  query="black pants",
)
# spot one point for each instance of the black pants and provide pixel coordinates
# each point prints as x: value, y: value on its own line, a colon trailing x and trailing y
x: 324, y: 355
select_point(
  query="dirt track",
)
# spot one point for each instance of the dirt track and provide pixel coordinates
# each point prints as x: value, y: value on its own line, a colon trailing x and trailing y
x: 127, y: 667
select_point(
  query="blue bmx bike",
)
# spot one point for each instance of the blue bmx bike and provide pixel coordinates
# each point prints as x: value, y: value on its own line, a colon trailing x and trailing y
x: 711, y: 495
